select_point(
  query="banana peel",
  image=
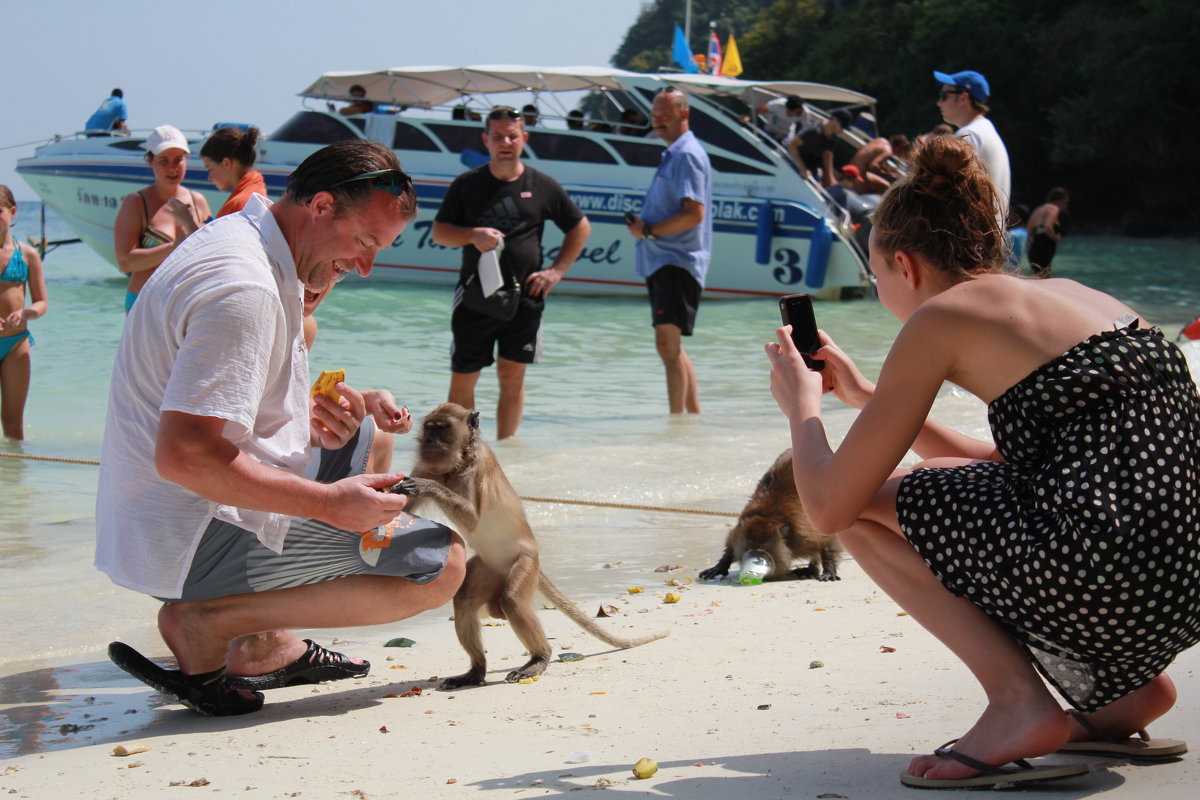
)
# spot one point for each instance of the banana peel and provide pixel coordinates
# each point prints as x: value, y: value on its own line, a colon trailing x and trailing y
x: 326, y: 383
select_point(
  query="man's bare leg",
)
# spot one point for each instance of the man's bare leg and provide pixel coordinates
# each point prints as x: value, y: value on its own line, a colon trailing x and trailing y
x: 200, y: 633
x: 682, y: 393
x: 1022, y: 719
x: 511, y: 405
x: 462, y: 388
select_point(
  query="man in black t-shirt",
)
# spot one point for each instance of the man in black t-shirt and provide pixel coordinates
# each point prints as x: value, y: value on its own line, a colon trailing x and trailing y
x: 812, y: 147
x: 504, y: 201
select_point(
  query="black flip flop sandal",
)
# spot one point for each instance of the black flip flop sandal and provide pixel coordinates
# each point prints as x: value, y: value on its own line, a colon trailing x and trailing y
x: 208, y: 693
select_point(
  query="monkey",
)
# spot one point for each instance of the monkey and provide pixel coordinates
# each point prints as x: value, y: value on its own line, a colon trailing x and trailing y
x: 457, y: 470
x: 774, y: 521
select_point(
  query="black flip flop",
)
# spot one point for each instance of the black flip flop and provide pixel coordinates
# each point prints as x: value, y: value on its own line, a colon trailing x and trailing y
x: 993, y: 777
x: 316, y: 665
x: 208, y: 693
x: 1142, y: 748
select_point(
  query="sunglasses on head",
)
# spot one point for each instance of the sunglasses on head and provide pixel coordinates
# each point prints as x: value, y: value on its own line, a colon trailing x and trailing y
x: 944, y: 93
x: 504, y: 112
x: 395, y: 181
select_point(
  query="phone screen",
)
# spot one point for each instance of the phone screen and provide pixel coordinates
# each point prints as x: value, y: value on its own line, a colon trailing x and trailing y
x: 797, y: 310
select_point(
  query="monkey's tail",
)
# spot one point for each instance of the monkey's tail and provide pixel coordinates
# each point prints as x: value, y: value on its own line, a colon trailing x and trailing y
x: 564, y: 604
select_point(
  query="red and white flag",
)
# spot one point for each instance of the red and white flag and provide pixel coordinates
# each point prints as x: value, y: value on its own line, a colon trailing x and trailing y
x: 714, y: 54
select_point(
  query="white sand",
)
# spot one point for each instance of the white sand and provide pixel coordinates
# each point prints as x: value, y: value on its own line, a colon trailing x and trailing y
x: 729, y: 705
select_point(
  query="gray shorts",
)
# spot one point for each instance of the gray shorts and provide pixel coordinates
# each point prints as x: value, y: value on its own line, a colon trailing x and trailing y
x: 231, y: 560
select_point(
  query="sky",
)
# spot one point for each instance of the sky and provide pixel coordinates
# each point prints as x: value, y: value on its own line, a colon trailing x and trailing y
x: 194, y: 64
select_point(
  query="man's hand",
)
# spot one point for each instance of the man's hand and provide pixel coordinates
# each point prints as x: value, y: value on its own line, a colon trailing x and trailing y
x: 355, y: 504
x: 332, y: 424
x: 540, y: 283
x: 381, y: 405
x: 635, y: 227
x: 485, y: 239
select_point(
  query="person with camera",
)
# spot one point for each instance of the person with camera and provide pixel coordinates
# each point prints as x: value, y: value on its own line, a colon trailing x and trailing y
x: 496, y: 214
x: 1065, y: 551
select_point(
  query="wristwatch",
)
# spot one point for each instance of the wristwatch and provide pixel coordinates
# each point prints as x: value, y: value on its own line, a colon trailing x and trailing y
x: 646, y: 232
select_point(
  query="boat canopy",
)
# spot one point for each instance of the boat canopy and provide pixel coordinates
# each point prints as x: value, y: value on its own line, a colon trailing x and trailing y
x: 432, y: 86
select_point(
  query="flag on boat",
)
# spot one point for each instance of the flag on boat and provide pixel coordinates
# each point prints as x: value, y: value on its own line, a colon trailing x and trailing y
x: 681, y: 54
x: 714, y: 54
x: 731, y: 65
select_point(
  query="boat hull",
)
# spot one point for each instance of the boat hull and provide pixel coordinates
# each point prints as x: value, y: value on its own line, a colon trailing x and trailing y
x: 761, y: 246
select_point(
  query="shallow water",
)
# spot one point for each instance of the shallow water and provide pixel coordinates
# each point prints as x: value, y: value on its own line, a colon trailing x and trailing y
x: 595, y: 429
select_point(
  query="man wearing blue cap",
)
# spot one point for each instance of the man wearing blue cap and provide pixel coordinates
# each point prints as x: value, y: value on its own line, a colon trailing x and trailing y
x: 963, y: 103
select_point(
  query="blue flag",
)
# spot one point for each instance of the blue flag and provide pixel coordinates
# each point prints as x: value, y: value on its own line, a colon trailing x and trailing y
x: 681, y: 54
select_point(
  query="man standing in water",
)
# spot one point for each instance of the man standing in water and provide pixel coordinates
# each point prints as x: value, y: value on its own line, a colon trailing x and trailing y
x: 963, y: 103
x: 200, y: 502
x: 496, y: 213
x: 674, y: 236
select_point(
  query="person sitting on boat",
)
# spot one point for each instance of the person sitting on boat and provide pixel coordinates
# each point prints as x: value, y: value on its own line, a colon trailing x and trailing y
x: 632, y: 123
x: 1068, y: 546
x: 109, y: 117
x: 575, y: 119
x: 780, y: 115
x: 496, y: 214
x: 813, y: 147
x: 360, y: 105
x: 229, y: 156
x: 1047, y: 226
x: 529, y: 113
x: 201, y: 501
x: 22, y: 267
x: 674, y: 244
x: 147, y: 228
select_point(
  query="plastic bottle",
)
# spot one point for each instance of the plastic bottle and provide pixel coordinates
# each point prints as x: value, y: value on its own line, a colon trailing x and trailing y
x: 756, y: 566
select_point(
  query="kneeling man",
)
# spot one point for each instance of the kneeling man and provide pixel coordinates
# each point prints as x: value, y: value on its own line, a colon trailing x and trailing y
x: 201, y: 502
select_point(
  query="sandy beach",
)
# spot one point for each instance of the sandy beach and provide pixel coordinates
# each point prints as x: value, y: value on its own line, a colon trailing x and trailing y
x: 794, y: 689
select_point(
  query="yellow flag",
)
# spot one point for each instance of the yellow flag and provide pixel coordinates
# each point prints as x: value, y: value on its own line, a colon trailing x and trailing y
x: 731, y: 67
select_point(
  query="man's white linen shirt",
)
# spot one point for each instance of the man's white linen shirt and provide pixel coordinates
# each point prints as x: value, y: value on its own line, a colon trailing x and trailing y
x: 216, y: 332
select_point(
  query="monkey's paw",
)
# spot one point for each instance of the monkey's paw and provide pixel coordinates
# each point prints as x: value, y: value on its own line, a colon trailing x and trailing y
x: 714, y: 572
x: 408, y: 486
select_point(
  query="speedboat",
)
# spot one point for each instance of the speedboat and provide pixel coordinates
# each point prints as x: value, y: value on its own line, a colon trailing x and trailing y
x: 774, y: 232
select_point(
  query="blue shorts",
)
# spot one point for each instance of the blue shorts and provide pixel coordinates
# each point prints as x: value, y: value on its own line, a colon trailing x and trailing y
x: 7, y: 343
x: 130, y: 298
x: 230, y: 560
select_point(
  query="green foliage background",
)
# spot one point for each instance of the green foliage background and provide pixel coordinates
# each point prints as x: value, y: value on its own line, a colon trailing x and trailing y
x: 1100, y: 96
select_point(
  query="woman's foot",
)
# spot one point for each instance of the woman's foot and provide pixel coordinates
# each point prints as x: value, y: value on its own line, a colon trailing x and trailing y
x: 1134, y: 712
x: 1004, y: 733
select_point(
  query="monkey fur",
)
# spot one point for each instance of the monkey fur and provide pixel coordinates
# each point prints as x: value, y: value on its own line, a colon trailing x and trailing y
x: 457, y: 470
x: 774, y: 521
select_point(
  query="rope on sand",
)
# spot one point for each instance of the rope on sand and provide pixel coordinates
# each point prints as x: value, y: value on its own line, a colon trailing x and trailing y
x: 559, y: 500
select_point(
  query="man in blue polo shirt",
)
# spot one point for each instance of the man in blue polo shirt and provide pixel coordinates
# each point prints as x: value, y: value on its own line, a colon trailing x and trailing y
x: 111, y: 115
x: 674, y: 236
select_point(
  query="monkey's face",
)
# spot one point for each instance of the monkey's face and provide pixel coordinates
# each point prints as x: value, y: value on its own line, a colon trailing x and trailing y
x: 764, y: 532
x: 446, y: 434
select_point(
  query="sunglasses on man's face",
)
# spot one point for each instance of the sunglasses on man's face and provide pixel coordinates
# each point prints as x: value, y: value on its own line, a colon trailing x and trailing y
x: 395, y: 181
x: 503, y: 113
x: 944, y: 93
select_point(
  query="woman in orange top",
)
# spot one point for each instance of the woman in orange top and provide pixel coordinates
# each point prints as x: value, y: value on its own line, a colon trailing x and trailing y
x: 229, y: 157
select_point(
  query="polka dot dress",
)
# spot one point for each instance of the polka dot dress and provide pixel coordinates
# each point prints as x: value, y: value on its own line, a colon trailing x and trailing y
x: 1085, y: 544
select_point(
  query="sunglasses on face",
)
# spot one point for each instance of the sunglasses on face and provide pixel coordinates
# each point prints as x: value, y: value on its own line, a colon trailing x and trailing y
x: 395, y: 181
x: 944, y: 93
x: 503, y: 112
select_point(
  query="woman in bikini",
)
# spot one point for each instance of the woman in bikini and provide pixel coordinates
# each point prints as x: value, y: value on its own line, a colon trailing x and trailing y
x: 1065, y: 551
x: 21, y: 267
x: 154, y: 220
x: 229, y: 156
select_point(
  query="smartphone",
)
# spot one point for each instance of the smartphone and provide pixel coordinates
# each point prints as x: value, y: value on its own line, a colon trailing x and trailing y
x: 630, y: 218
x: 797, y: 311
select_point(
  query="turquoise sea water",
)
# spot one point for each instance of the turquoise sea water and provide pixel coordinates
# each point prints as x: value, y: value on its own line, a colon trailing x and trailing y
x: 595, y: 428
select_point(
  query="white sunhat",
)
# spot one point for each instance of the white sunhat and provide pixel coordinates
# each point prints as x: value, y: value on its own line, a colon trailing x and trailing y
x: 165, y: 137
